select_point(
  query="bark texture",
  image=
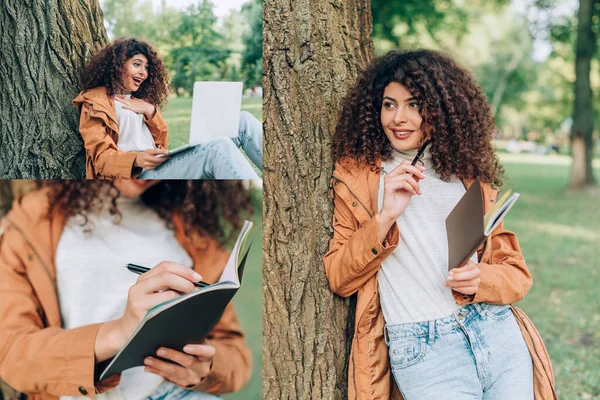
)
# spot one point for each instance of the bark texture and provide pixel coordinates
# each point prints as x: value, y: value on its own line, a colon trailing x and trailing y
x: 44, y: 45
x: 312, y: 53
x: 583, y: 122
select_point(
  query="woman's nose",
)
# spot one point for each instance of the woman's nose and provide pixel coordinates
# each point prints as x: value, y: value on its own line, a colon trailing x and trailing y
x: 399, y: 116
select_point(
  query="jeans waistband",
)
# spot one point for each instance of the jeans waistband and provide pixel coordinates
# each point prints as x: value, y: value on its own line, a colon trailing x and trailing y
x: 442, y: 325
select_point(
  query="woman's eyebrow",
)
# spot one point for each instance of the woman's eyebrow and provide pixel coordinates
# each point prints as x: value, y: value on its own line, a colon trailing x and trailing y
x: 389, y: 98
x: 138, y: 59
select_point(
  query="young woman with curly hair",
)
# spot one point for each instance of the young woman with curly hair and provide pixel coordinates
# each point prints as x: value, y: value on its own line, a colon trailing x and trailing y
x: 441, y: 334
x: 125, y: 135
x: 69, y: 304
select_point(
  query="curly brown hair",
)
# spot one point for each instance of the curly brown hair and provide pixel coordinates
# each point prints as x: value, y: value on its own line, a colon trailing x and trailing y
x: 454, y: 110
x: 106, y: 68
x: 210, y: 207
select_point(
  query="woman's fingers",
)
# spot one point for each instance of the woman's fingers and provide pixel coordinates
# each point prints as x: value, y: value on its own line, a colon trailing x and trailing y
x: 165, y: 281
x: 185, y: 360
x: 402, y: 182
x: 462, y: 284
x: 184, y: 377
x: 174, y: 268
x: 468, y: 271
x: 405, y: 167
x: 203, y: 352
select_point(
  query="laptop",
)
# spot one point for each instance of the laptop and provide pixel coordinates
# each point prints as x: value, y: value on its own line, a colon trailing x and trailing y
x: 215, y: 113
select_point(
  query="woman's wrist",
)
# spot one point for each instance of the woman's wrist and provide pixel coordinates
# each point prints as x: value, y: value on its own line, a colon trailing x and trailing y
x: 151, y: 112
x: 384, y: 223
x: 109, y: 340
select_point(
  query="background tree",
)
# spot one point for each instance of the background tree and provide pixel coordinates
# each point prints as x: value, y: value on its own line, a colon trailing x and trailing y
x: 44, y: 46
x: 582, y: 140
x: 312, y: 53
x: 199, y: 55
x: 252, y: 55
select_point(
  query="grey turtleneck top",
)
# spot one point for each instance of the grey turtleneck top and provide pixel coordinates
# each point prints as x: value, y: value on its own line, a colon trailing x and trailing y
x: 411, y: 278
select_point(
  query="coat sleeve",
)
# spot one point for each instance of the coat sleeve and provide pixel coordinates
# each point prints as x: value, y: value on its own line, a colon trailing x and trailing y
x: 35, y: 358
x: 505, y: 278
x: 355, y: 253
x: 109, y: 162
x: 158, y: 127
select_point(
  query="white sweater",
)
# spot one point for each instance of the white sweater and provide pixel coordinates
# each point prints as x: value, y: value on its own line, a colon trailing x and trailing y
x: 93, y: 282
x: 411, y: 278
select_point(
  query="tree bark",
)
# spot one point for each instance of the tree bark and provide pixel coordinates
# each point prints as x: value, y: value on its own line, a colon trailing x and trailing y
x: 583, y: 122
x: 45, y: 44
x: 312, y: 53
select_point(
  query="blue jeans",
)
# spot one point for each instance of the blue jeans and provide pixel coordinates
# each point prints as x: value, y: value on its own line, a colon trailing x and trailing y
x: 219, y: 158
x: 170, y: 391
x: 476, y: 353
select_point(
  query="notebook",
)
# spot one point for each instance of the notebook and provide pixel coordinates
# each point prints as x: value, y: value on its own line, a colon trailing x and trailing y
x: 467, y: 226
x: 215, y: 113
x: 185, y: 320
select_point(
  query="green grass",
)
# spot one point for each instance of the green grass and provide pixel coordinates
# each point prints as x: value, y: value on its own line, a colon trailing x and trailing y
x: 559, y: 233
x: 178, y: 111
x: 248, y: 306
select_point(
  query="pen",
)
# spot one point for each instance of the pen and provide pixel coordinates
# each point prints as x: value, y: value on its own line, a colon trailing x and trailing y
x: 138, y: 269
x: 420, y: 152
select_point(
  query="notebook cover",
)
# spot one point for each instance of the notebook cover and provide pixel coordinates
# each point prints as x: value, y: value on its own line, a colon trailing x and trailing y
x: 464, y: 226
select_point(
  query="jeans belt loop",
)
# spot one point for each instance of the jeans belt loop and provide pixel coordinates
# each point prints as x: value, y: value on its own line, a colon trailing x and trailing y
x: 386, y: 337
x: 431, y: 332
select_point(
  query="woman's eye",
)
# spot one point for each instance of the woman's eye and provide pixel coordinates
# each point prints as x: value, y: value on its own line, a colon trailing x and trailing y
x: 387, y: 104
x: 415, y: 105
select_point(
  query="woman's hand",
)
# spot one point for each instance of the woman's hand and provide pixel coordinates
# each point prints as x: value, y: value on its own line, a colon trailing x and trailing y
x: 186, y: 369
x: 399, y: 186
x: 147, y: 159
x: 138, y: 106
x: 464, y: 279
x: 166, y: 281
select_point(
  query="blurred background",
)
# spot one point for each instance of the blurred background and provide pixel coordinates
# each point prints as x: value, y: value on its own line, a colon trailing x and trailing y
x: 524, y: 55
x: 198, y: 40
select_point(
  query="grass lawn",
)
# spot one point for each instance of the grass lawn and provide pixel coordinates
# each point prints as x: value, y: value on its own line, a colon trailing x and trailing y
x: 559, y: 233
x: 178, y: 111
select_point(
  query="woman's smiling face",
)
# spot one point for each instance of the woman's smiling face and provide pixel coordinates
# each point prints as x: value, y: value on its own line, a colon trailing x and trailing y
x: 400, y: 117
x: 135, y: 72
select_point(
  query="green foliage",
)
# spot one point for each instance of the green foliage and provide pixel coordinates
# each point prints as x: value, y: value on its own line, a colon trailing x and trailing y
x: 526, y: 92
x: 198, y: 55
x: 252, y: 38
x: 398, y: 22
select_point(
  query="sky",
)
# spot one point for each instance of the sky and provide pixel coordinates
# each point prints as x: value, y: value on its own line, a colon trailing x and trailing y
x: 222, y: 7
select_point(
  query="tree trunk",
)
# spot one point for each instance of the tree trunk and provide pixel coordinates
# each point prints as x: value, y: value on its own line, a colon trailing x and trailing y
x: 312, y: 54
x: 45, y: 44
x: 583, y: 123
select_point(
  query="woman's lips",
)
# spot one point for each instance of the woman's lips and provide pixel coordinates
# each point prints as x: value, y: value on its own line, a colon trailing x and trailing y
x: 402, y: 133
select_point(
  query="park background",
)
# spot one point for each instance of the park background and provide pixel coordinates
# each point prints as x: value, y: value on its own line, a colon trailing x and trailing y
x: 524, y: 55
